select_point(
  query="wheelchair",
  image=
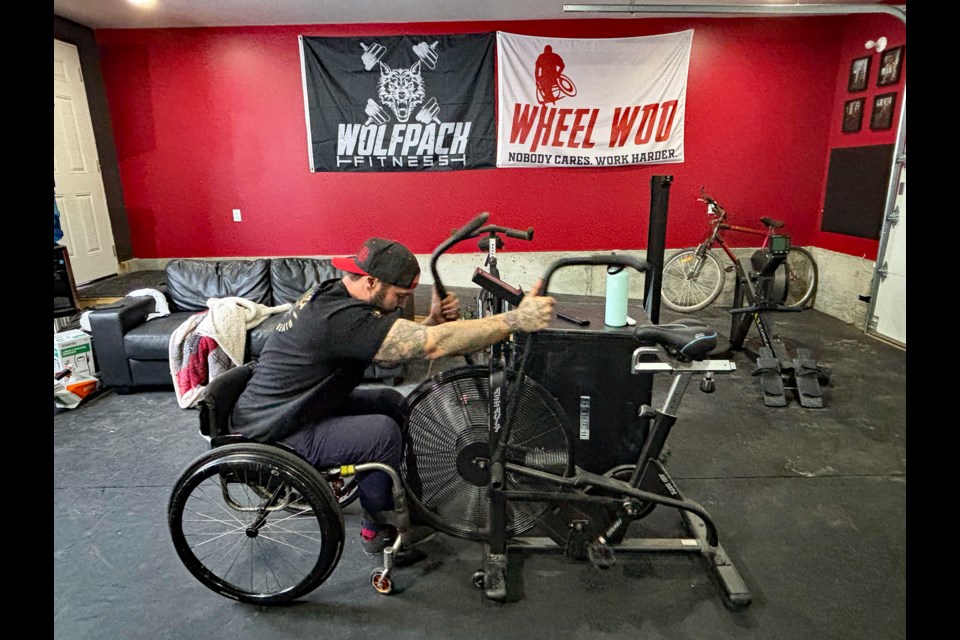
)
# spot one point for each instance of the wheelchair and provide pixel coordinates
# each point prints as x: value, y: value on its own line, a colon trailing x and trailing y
x: 257, y: 522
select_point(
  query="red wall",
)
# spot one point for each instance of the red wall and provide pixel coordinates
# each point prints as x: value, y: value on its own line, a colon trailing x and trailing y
x: 211, y: 119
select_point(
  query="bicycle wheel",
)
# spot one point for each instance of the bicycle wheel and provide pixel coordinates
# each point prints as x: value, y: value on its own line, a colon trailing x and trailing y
x: 691, y: 283
x: 259, y: 550
x: 802, y: 278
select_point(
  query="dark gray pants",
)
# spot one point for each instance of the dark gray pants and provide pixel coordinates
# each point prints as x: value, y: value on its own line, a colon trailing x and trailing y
x: 366, y: 429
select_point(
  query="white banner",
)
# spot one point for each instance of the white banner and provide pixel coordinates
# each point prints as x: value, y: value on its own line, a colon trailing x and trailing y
x: 566, y: 102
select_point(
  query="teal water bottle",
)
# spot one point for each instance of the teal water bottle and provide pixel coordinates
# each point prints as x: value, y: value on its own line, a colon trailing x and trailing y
x: 617, y: 284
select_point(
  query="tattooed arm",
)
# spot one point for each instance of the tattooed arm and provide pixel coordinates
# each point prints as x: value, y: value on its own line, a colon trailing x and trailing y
x: 408, y: 340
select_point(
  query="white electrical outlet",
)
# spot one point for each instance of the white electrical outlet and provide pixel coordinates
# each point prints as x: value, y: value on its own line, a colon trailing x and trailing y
x: 236, y: 215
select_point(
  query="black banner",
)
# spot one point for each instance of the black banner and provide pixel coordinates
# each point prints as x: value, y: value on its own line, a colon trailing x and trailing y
x: 400, y: 103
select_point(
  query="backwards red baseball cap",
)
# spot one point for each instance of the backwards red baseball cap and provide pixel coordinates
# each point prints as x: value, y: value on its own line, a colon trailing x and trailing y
x: 387, y: 260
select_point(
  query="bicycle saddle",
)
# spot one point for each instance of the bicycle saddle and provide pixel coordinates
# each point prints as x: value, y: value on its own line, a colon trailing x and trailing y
x: 773, y: 224
x: 684, y: 339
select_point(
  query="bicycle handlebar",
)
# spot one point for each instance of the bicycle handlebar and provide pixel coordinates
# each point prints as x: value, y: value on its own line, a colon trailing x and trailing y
x: 714, y: 208
x: 601, y: 259
x: 472, y: 228
x: 457, y: 235
x: 510, y: 233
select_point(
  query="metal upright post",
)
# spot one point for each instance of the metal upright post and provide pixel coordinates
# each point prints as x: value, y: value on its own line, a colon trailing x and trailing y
x: 656, y: 241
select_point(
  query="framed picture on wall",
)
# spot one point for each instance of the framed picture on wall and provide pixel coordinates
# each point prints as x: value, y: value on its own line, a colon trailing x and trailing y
x: 853, y: 115
x: 882, y: 115
x: 891, y: 61
x: 859, y: 74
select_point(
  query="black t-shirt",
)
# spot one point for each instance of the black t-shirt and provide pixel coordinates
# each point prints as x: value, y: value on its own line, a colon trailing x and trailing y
x: 312, y: 361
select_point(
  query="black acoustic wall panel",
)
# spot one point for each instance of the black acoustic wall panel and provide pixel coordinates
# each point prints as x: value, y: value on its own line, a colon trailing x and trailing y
x: 857, y: 190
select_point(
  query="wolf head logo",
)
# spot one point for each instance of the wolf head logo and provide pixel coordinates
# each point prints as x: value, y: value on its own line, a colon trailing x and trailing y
x: 401, y: 89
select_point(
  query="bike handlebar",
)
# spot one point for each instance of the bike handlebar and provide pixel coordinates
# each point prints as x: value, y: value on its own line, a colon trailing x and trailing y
x: 475, y: 227
x: 714, y: 207
x: 510, y: 233
x: 601, y: 259
x: 456, y: 236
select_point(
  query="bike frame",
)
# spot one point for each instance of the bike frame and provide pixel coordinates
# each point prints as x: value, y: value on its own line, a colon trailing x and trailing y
x: 721, y: 224
x: 649, y: 484
x: 647, y: 460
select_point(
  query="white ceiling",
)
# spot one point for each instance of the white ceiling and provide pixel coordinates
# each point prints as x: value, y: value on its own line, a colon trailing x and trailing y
x: 152, y: 14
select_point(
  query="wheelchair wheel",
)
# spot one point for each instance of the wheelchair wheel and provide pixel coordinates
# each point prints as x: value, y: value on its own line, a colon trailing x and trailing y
x: 255, y: 523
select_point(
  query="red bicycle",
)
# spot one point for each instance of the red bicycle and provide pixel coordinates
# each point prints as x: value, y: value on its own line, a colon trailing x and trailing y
x: 694, y: 278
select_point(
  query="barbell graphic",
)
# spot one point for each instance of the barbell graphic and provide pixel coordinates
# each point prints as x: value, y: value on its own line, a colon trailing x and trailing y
x: 427, y: 53
x: 371, y: 55
x: 428, y: 112
x: 375, y: 113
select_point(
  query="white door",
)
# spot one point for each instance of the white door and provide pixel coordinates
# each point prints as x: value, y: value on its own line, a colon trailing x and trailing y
x: 890, y: 309
x: 76, y: 172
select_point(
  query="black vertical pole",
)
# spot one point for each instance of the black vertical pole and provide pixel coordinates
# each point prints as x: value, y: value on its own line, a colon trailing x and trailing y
x: 656, y: 242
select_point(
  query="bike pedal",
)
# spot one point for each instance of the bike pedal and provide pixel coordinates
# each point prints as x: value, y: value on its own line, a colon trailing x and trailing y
x: 601, y: 555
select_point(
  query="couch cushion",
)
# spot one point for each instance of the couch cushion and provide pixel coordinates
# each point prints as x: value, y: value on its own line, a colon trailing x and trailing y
x: 151, y: 340
x: 190, y: 282
x: 151, y: 372
x: 290, y: 277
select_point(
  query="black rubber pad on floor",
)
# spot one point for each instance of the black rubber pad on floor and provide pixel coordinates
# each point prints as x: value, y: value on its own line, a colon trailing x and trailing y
x: 120, y: 285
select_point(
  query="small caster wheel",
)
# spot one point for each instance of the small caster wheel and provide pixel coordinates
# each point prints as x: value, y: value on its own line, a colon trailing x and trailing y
x: 381, y: 582
x: 478, y: 577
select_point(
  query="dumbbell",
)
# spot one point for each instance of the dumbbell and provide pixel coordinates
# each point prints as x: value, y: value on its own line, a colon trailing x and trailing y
x: 428, y: 54
x: 371, y: 55
x: 375, y: 113
x: 428, y: 112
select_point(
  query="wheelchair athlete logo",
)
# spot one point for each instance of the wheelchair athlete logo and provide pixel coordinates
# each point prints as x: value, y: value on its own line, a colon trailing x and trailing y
x: 402, y: 90
x: 551, y: 83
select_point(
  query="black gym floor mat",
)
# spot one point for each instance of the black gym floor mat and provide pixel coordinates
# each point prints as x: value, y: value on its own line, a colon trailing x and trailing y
x: 120, y: 285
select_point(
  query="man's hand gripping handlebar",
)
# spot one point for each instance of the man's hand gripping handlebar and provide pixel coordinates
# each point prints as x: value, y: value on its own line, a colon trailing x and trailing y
x: 535, y: 311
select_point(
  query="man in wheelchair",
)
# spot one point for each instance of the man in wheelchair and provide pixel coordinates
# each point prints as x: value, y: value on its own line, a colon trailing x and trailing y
x: 304, y: 392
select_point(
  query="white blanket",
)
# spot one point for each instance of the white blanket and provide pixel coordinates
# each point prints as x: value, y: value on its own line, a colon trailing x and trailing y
x: 229, y: 320
x: 211, y: 342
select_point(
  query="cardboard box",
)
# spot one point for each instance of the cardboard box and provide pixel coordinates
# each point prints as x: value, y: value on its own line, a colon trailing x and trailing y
x: 73, y: 350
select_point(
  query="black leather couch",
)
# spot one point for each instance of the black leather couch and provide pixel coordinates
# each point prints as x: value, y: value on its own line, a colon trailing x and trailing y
x: 134, y: 352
